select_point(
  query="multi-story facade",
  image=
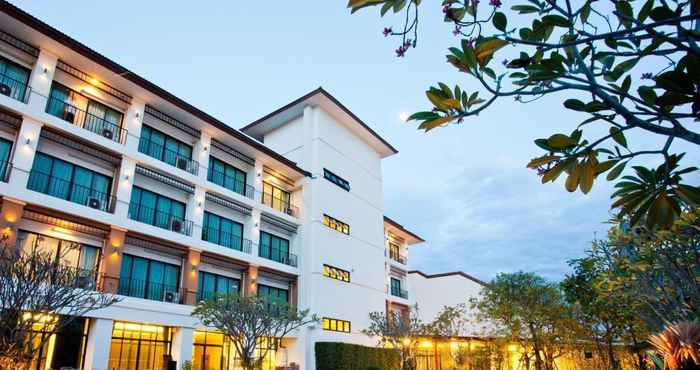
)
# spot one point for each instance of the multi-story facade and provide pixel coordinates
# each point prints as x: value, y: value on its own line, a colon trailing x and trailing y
x: 164, y: 205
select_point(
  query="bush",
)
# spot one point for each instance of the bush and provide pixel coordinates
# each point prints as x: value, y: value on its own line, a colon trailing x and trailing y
x: 343, y: 356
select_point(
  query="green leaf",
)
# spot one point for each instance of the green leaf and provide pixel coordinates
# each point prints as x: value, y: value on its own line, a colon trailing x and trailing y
x: 437, y: 101
x: 661, y: 13
x: 500, y: 21
x: 618, y: 136
x: 615, y: 173
x: 556, y: 20
x: 585, y: 12
x: 644, y: 12
x: 625, y: 9
x: 575, y: 104
x: 429, y: 125
x: 560, y: 141
x: 525, y: 9
x: 647, y: 94
x: 356, y: 5
x: 484, y: 51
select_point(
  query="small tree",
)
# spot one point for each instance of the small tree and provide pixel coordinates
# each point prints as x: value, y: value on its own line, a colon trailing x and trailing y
x: 451, y: 322
x: 249, y: 322
x: 35, y: 289
x: 398, y: 331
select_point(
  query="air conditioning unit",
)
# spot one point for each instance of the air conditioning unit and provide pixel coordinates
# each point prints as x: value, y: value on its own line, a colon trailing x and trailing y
x: 94, y: 202
x: 171, y: 297
x: 69, y: 116
x: 5, y: 90
x: 86, y: 281
x: 107, y: 133
x: 182, y: 163
x: 176, y: 225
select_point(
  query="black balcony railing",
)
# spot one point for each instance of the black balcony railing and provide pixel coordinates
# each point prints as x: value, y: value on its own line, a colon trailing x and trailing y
x: 279, y: 204
x: 150, y: 290
x: 64, y: 189
x: 171, y: 157
x: 15, y: 89
x: 227, y: 240
x: 398, y: 292
x: 88, y: 121
x: 5, y: 169
x: 394, y: 255
x: 204, y: 295
x: 81, y: 278
x: 160, y: 219
x: 231, y: 183
x: 278, y: 256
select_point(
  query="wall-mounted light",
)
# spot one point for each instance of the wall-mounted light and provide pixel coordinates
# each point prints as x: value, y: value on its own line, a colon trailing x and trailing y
x: 259, y: 174
x: 256, y: 224
x: 137, y: 114
x: 199, y: 204
x: 45, y: 71
x: 28, y: 141
x: 126, y: 177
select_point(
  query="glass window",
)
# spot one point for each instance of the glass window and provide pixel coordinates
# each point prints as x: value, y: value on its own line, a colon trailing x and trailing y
x: 330, y: 176
x: 211, y: 284
x: 155, y: 209
x: 336, y: 224
x: 13, y: 79
x: 65, y: 349
x: 80, y: 256
x: 5, y: 151
x: 330, y: 324
x: 273, y: 247
x: 336, y: 273
x: 61, y: 179
x: 275, y: 197
x: 273, y: 294
x: 163, y: 147
x: 139, y: 346
x: 145, y: 278
x: 396, y: 287
x: 226, y: 175
x: 222, y: 231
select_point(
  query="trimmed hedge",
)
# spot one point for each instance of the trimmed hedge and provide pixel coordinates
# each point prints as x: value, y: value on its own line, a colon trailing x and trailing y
x: 343, y: 356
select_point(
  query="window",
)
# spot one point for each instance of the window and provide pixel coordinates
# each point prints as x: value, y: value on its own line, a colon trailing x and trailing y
x: 336, y: 325
x: 67, y: 181
x: 82, y: 257
x: 222, y: 231
x: 139, y: 346
x: 330, y: 176
x: 274, y: 248
x: 275, y: 197
x: 212, y: 284
x: 215, y: 351
x: 336, y: 273
x: 149, y: 279
x: 80, y: 110
x: 13, y: 80
x: 166, y: 148
x: 65, y: 349
x: 5, y: 151
x: 336, y: 225
x: 396, y: 288
x: 157, y: 210
x: 395, y: 254
x: 224, y: 174
x: 272, y: 294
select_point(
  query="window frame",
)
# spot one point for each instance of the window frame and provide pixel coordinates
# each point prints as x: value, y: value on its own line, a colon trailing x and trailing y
x: 216, y: 277
x: 335, y: 224
x: 335, y: 179
x: 226, y: 167
x: 335, y: 273
x: 331, y: 324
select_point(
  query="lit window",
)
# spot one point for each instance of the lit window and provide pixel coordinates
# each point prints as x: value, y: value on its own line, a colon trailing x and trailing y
x: 336, y: 225
x: 336, y: 325
x: 336, y: 273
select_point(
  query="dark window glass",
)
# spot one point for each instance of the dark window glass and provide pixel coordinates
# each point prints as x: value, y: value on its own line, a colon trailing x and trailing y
x: 222, y: 231
x: 5, y: 151
x: 273, y: 294
x: 273, y: 247
x: 13, y: 79
x: 224, y: 174
x: 155, y: 209
x: 211, y: 284
x: 145, y: 278
x: 163, y: 147
x: 330, y: 176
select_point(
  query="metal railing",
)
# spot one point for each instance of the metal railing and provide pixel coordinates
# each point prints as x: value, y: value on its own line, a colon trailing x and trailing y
x: 230, y: 183
x: 14, y: 89
x: 160, y: 219
x: 173, y: 158
x: 88, y: 121
x: 84, y: 278
x: 399, y: 293
x: 227, y: 240
x: 5, y: 169
x: 279, y: 204
x: 201, y: 296
x: 289, y: 259
x: 397, y: 257
x: 150, y: 290
x: 64, y: 189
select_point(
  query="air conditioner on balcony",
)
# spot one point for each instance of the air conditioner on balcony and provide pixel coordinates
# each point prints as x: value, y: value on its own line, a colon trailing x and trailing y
x: 107, y: 133
x: 171, y: 297
x: 94, y: 202
x: 69, y: 116
x: 86, y: 282
x: 182, y: 163
x: 5, y: 90
x: 176, y: 225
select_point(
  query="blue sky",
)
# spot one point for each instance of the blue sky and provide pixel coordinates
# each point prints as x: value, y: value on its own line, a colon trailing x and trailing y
x: 465, y: 188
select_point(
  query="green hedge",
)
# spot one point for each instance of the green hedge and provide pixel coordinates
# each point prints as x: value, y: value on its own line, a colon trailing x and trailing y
x: 343, y: 356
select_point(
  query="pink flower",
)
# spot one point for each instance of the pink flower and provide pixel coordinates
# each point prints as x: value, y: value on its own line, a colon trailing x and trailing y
x: 387, y: 31
x: 456, y: 31
x: 401, y: 51
x: 445, y: 9
x: 495, y: 3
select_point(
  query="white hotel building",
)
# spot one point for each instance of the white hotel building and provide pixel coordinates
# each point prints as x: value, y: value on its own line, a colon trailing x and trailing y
x: 167, y: 204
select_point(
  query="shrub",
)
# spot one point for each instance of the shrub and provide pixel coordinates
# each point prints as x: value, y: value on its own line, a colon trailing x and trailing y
x: 343, y: 356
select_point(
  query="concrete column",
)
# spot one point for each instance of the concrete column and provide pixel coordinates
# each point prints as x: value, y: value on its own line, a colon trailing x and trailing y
x: 250, y: 281
x: 112, y: 259
x: 200, y: 153
x: 40, y: 80
x: 190, y: 277
x: 11, y: 212
x: 251, y: 231
x: 182, y: 345
x: 293, y: 293
x: 133, y: 121
x: 24, y: 152
x: 98, y: 344
x: 255, y: 176
x: 195, y: 211
x: 124, y: 183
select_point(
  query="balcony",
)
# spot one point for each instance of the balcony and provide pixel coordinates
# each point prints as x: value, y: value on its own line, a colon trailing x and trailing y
x: 288, y: 259
x: 5, y: 168
x: 231, y: 183
x: 171, y: 157
x: 164, y: 220
x: 63, y: 189
x: 398, y: 292
x: 150, y: 290
x: 14, y: 89
x: 86, y: 120
x: 279, y: 204
x: 227, y: 240
x: 396, y: 256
